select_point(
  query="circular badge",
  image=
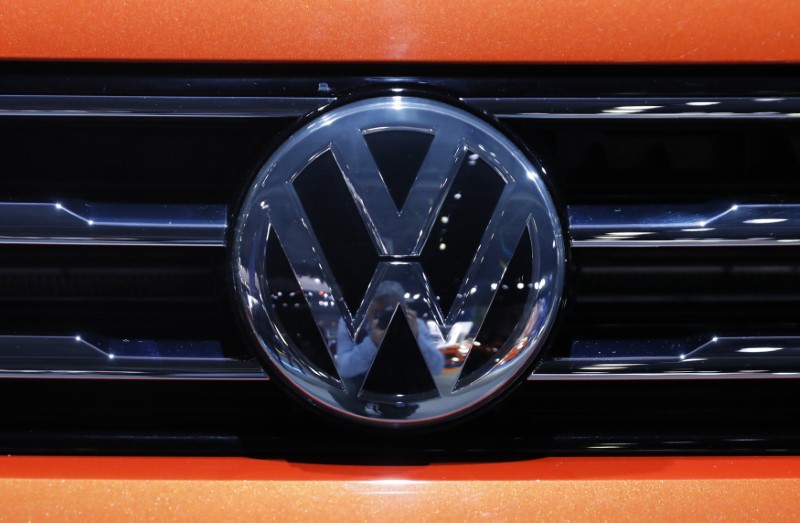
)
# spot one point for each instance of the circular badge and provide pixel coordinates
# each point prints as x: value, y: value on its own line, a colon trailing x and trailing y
x: 399, y: 261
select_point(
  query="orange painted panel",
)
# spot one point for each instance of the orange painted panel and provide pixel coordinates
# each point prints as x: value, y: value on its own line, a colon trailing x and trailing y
x: 403, y: 30
x: 212, y: 489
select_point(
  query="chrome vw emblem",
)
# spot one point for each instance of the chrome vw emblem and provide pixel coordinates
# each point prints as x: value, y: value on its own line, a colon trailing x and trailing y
x: 399, y: 261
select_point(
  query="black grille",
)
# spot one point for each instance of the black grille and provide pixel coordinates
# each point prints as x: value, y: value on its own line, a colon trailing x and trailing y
x: 686, y: 292
x: 544, y: 418
x: 160, y: 159
x: 623, y: 302
x: 667, y: 161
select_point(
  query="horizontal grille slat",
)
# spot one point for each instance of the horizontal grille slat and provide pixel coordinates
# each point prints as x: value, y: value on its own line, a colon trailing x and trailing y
x: 86, y: 223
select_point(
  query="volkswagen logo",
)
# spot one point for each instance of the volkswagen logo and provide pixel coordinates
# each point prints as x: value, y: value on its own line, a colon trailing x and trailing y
x: 399, y: 261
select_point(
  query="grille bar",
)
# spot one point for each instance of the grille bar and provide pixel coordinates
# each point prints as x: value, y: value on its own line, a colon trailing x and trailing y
x: 158, y: 106
x: 720, y: 225
x: 98, y: 357
x: 641, y: 108
x: 767, y: 107
x: 718, y: 357
x: 83, y: 223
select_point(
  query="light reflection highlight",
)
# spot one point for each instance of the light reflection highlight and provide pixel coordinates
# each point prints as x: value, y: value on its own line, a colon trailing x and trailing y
x: 765, y: 221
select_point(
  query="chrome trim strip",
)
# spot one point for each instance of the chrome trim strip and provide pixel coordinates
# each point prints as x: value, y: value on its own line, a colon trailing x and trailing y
x: 640, y: 108
x: 83, y: 223
x: 159, y: 106
x: 276, y: 107
x: 715, y: 225
x: 77, y: 357
x: 233, y: 371
x: 718, y: 357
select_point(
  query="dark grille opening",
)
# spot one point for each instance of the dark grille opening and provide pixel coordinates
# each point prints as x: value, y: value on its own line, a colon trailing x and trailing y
x: 118, y: 293
x: 746, y: 290
x: 252, y: 418
x: 665, y: 161
x: 136, y: 160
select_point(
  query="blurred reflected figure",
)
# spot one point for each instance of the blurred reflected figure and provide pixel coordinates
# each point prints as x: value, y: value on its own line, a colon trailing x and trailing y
x: 354, y: 359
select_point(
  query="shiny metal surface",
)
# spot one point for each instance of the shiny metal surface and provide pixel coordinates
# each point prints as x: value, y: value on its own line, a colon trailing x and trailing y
x: 641, y: 108
x: 589, y: 225
x: 772, y: 357
x: 84, y: 223
x: 273, y: 206
x: 724, y: 225
x: 158, y: 106
x: 766, y: 107
x: 99, y: 357
x: 716, y: 357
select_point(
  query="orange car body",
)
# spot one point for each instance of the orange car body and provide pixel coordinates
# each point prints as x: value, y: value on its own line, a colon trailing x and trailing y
x: 472, y: 31
x: 520, y: 31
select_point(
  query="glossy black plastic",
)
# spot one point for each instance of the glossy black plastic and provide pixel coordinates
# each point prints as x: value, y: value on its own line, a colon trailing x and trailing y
x: 666, y: 299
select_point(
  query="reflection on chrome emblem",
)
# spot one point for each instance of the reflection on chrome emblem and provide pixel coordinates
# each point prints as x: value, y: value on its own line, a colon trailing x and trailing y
x: 399, y: 261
